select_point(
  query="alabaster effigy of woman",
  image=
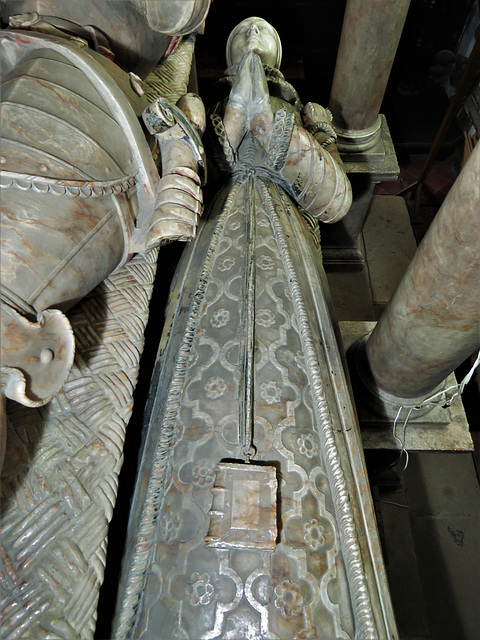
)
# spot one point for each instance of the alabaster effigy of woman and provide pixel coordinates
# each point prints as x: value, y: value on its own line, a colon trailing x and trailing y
x: 299, y: 141
x: 242, y: 523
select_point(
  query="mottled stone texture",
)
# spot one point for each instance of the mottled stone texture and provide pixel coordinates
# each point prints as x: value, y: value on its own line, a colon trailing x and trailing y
x: 370, y: 35
x: 431, y: 324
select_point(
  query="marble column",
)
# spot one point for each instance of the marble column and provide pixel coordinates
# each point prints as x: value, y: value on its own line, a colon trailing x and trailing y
x: 370, y: 35
x: 432, y: 323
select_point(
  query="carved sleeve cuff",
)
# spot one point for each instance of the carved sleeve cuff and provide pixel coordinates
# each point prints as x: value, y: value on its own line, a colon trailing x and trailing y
x: 325, y: 128
x: 222, y: 150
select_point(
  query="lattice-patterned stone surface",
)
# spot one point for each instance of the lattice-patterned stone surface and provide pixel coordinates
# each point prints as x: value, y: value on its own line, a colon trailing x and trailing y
x: 246, y: 364
x: 59, y: 480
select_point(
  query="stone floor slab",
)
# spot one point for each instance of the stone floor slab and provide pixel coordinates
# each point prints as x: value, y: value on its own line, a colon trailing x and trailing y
x: 389, y: 245
x: 351, y: 295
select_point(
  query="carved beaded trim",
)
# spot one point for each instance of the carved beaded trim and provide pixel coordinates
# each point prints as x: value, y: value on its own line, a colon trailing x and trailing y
x: 221, y: 134
x: 362, y: 606
x: 313, y: 227
x: 281, y: 137
x: 72, y: 188
x: 155, y: 493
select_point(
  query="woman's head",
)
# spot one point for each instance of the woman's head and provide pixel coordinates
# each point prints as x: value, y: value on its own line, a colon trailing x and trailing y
x: 257, y: 35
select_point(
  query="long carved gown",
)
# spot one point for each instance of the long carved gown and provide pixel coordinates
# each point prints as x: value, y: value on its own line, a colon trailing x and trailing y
x: 223, y: 545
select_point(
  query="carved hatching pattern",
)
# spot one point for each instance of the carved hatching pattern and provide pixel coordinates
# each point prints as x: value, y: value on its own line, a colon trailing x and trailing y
x: 62, y: 463
x: 313, y: 585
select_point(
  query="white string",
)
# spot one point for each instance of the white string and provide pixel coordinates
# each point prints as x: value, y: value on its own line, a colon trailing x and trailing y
x: 394, y: 432
x: 430, y: 400
x: 403, y: 450
x: 458, y: 388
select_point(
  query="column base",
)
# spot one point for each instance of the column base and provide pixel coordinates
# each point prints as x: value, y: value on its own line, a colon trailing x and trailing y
x: 355, y: 140
x: 380, y: 405
x: 440, y: 430
x: 341, y: 242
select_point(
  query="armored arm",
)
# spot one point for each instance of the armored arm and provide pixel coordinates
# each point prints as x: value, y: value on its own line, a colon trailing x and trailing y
x: 179, y: 197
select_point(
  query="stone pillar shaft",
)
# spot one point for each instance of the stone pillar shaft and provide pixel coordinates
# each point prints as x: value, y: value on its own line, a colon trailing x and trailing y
x: 370, y: 35
x: 432, y: 323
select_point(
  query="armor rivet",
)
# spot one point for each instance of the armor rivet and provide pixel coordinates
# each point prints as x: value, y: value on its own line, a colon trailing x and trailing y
x: 46, y: 356
x: 44, y: 168
x: 3, y: 159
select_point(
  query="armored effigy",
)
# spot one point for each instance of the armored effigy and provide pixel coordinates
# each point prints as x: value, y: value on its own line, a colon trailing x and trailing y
x: 252, y: 516
x: 82, y: 191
